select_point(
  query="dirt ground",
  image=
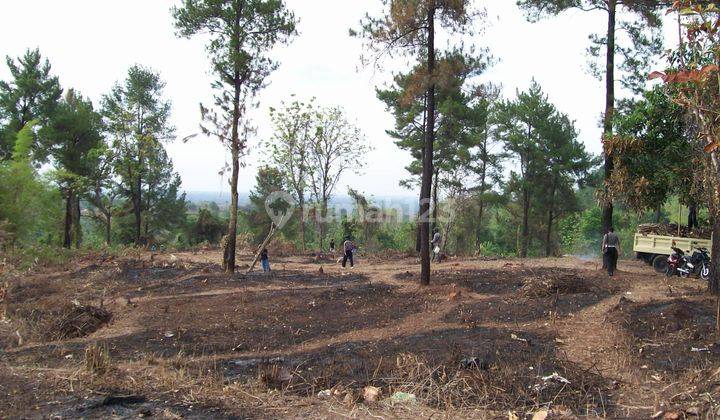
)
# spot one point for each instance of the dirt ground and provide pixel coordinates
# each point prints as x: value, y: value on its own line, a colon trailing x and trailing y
x: 171, y: 336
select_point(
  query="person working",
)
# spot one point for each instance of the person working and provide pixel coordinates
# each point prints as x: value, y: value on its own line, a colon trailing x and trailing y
x: 611, y: 250
x: 348, y: 249
x: 436, y: 244
x: 265, y: 260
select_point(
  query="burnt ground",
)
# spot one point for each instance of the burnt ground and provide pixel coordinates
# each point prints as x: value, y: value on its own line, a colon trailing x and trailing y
x: 171, y: 336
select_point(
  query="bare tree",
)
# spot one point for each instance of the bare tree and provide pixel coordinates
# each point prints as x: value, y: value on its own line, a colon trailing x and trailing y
x: 338, y: 146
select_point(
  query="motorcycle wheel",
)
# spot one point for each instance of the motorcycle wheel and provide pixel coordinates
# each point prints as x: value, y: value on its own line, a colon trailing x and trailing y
x: 705, y: 272
x: 669, y: 271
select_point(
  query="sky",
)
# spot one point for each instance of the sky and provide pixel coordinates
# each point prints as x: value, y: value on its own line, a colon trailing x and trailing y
x: 92, y: 43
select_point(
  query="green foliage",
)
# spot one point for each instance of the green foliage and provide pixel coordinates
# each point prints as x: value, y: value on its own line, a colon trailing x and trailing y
x: 208, y: 228
x: 32, y: 94
x: 268, y: 180
x: 137, y: 118
x: 550, y: 160
x: 652, y: 156
x: 28, y: 203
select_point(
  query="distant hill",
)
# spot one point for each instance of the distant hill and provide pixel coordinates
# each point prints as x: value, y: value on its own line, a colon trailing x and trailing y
x: 223, y: 199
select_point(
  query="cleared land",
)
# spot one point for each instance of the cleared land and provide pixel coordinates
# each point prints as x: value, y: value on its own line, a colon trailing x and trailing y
x: 171, y: 336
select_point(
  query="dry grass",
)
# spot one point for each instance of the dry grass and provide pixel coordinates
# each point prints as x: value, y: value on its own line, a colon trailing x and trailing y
x: 97, y: 359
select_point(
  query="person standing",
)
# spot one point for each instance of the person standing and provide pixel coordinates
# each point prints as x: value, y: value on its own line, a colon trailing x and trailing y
x: 265, y: 260
x: 348, y: 249
x: 332, y: 246
x: 611, y: 250
x: 436, y: 244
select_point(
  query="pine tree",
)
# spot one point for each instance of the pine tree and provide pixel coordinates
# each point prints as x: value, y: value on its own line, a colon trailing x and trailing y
x: 242, y: 32
x: 32, y: 94
x: 639, y: 15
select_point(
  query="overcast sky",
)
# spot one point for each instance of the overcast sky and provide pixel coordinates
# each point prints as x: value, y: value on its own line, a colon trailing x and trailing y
x: 91, y: 44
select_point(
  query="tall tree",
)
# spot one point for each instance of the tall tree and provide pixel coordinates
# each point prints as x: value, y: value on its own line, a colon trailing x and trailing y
x: 164, y: 207
x: 137, y: 118
x: 567, y: 165
x: 103, y: 189
x: 486, y: 162
x: 70, y: 136
x: 522, y: 125
x: 289, y: 149
x: 241, y: 32
x: 453, y: 97
x: 624, y: 17
x: 694, y: 76
x: 337, y: 147
x: 407, y: 27
x: 32, y: 94
x: 652, y: 154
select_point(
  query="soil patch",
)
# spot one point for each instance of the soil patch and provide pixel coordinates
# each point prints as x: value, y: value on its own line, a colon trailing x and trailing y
x: 673, y: 336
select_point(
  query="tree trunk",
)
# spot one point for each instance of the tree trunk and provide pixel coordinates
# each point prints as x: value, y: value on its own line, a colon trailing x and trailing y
x: 525, y: 236
x: 76, y: 223
x: 714, y: 283
x: 551, y: 216
x: 137, y: 210
x: 323, y: 216
x: 230, y: 244
x: 478, y: 229
x: 229, y: 254
x: 607, y: 214
x: 692, y: 217
x: 434, y: 224
x: 428, y: 156
x: 67, y: 237
x: 658, y: 214
x: 108, y: 227
x: 301, y: 199
x: 548, y: 235
x: 481, y: 204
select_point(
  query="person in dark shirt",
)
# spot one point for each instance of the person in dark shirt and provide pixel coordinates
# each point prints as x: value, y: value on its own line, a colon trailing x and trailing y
x: 611, y: 250
x: 265, y: 260
x: 332, y: 246
x: 348, y: 249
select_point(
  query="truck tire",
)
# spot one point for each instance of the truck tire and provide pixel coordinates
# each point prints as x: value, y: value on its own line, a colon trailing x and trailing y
x: 660, y: 263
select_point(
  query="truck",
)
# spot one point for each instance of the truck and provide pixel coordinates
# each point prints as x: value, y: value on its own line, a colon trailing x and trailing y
x: 655, y: 249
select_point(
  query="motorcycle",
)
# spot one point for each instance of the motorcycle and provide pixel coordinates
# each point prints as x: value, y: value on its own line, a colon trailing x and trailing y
x: 697, y: 264
x: 677, y: 264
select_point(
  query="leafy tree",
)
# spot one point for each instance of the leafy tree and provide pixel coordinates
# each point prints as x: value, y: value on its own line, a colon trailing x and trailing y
x: 29, y: 207
x: 521, y: 124
x: 486, y: 162
x: 103, y: 188
x: 289, y: 149
x: 268, y: 181
x: 32, y: 94
x: 70, y: 136
x: 651, y: 154
x: 241, y: 32
x: 628, y: 17
x: 566, y: 164
x: 694, y: 76
x: 137, y: 118
x: 165, y: 207
x: 208, y: 227
x: 337, y: 147
x: 456, y: 138
x: 407, y: 27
